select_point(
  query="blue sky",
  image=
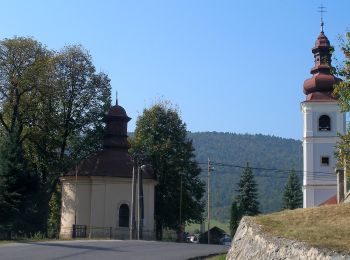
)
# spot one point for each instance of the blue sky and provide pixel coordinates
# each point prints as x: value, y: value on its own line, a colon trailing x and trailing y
x: 232, y: 66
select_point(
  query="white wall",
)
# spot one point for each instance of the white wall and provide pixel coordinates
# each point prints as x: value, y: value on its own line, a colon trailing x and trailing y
x: 319, y: 181
x: 98, y: 200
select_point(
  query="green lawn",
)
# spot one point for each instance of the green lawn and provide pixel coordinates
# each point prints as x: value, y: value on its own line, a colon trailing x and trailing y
x: 217, y: 257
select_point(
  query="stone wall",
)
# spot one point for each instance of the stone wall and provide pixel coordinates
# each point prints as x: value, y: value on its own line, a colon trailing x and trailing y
x: 250, y: 242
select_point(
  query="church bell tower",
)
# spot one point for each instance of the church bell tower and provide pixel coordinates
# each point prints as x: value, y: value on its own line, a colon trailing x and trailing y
x: 323, y: 120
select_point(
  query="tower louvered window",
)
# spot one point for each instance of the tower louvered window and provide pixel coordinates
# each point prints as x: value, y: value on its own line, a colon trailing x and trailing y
x: 324, y: 123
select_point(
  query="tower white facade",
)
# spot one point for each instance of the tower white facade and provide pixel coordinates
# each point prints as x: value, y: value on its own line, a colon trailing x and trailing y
x: 319, y: 141
x: 323, y: 121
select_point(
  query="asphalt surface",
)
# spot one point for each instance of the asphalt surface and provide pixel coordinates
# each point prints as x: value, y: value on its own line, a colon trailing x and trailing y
x: 107, y: 249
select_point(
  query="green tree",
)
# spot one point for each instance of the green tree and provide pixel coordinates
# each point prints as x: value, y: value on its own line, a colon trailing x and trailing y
x: 54, y: 103
x: 235, y: 218
x: 161, y: 140
x: 24, y: 63
x: 292, y: 195
x: 342, y: 91
x: 247, y: 198
x: 19, y: 189
x: 70, y: 127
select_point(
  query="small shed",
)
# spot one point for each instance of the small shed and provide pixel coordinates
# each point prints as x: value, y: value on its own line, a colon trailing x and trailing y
x: 215, y: 235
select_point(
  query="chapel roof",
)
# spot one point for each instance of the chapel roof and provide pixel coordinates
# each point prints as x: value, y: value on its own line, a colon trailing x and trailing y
x: 108, y: 163
x: 114, y: 160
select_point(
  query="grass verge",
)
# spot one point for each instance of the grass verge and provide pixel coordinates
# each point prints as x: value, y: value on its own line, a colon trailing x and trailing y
x: 217, y: 257
x: 326, y: 226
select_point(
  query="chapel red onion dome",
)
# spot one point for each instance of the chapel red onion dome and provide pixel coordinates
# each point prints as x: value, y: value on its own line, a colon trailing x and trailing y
x: 116, y: 112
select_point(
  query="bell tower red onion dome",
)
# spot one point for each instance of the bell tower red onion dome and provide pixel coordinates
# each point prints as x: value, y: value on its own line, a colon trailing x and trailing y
x: 320, y: 86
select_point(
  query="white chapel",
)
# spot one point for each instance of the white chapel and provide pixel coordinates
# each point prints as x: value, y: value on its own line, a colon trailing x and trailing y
x: 323, y: 120
x: 100, y: 197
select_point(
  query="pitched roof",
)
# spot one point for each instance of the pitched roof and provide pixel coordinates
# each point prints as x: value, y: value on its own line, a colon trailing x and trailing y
x: 109, y: 162
x: 332, y: 200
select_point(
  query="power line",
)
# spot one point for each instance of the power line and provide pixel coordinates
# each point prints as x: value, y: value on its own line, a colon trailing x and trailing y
x: 317, y: 175
x: 264, y: 169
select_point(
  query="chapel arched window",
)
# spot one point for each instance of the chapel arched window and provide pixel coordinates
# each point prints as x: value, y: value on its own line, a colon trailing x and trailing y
x: 324, y: 123
x: 124, y: 215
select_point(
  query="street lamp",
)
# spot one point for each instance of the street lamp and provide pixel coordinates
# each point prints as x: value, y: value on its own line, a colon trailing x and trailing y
x: 75, y: 202
x: 180, y: 220
x: 140, y: 170
x: 131, y: 225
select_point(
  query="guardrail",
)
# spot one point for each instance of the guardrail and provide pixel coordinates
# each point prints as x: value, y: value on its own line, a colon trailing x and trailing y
x: 83, y: 231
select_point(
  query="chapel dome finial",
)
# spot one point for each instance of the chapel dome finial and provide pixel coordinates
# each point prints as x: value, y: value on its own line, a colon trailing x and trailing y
x: 116, y: 110
x: 321, y: 10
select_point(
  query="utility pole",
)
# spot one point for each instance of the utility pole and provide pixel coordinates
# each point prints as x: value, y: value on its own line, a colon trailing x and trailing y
x: 75, y: 195
x: 209, y: 169
x: 75, y: 202
x: 131, y: 225
x: 138, y: 203
x: 345, y: 174
x: 142, y: 208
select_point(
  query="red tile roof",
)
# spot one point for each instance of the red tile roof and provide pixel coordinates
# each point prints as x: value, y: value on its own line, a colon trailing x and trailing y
x: 332, y: 200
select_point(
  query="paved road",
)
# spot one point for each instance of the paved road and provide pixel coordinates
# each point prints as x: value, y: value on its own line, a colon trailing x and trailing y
x: 106, y: 249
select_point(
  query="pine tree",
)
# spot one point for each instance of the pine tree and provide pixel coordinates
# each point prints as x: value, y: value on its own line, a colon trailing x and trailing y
x: 235, y: 218
x: 18, y: 188
x: 292, y: 195
x: 247, y: 198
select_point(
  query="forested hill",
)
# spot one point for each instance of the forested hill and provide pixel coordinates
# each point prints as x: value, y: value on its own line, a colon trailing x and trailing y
x: 235, y: 150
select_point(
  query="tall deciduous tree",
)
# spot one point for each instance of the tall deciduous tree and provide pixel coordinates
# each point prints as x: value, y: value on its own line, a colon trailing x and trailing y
x: 247, y: 198
x: 67, y: 118
x: 70, y: 128
x: 53, y: 103
x: 24, y: 63
x: 161, y: 139
x: 342, y: 91
x: 292, y: 195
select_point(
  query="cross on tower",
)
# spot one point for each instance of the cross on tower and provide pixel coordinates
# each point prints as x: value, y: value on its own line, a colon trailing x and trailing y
x: 321, y: 9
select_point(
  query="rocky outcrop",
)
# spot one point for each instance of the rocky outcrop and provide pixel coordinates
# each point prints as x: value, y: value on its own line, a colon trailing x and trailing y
x: 250, y: 242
